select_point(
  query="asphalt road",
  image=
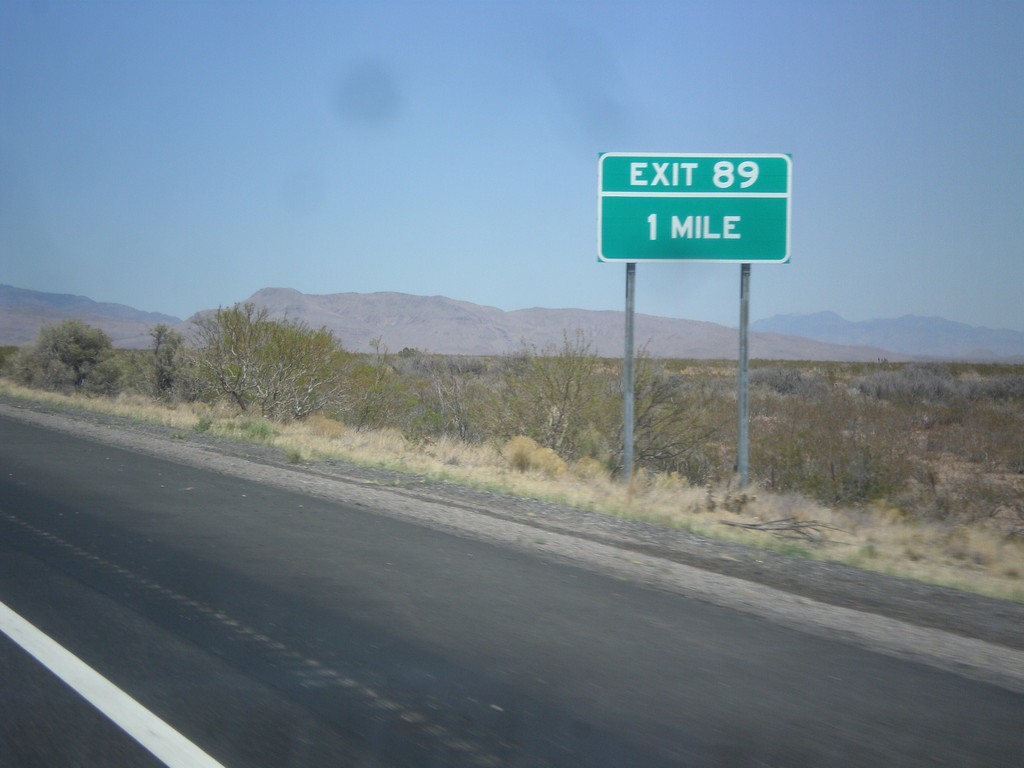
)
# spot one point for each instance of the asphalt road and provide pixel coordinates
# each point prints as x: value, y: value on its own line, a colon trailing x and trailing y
x: 271, y: 628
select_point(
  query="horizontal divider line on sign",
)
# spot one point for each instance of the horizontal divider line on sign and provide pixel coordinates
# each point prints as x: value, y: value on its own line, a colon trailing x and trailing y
x: 695, y: 194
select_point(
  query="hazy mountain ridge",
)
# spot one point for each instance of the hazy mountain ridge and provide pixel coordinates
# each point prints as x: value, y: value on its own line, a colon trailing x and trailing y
x: 67, y: 303
x: 908, y: 335
x: 23, y: 312
x: 442, y: 325
x: 448, y: 326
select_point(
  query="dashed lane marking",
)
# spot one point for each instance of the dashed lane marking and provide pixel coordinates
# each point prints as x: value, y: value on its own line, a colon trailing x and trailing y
x: 310, y: 673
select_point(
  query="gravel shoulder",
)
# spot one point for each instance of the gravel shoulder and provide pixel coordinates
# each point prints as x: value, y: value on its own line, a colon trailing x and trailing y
x: 980, y: 637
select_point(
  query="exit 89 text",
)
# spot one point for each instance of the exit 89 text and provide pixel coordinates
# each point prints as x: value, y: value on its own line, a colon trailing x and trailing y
x: 725, y: 174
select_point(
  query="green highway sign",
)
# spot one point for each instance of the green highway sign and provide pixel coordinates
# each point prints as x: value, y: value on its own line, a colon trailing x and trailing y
x: 705, y: 208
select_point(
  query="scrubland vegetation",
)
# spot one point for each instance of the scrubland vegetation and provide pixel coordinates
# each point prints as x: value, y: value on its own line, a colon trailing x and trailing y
x: 914, y: 469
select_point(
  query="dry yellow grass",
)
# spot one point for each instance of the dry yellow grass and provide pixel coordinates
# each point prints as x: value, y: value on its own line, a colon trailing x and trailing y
x: 977, y: 558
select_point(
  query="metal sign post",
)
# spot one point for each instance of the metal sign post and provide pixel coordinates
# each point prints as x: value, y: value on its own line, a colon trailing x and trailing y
x: 744, y: 414
x: 627, y: 420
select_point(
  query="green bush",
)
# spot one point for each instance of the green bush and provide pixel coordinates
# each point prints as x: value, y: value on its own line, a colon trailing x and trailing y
x: 6, y: 355
x: 257, y: 430
x: 64, y: 357
x: 168, y: 362
x: 554, y: 396
x: 378, y: 396
x: 284, y: 369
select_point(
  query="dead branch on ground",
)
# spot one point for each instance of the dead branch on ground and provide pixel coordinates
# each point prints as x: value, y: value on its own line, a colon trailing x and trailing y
x: 791, y: 528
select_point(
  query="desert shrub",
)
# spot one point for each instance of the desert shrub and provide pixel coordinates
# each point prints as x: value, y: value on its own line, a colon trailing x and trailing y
x: 962, y: 498
x: 128, y: 371
x: 168, y: 362
x: 450, y: 399
x: 517, y: 452
x: 968, y: 417
x: 678, y: 421
x: 787, y: 380
x: 913, y: 383
x: 7, y: 353
x: 589, y: 468
x: 255, y: 430
x: 1008, y: 387
x: 284, y: 369
x: 554, y: 396
x: 378, y: 396
x: 988, y: 434
x: 133, y: 372
x: 190, y: 384
x: 321, y: 425
x: 545, y: 460
x: 64, y: 356
x: 108, y: 377
x: 524, y: 454
x: 840, y: 449
x: 918, y: 383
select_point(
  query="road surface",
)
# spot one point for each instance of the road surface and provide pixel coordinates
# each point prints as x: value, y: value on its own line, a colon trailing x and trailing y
x: 267, y: 627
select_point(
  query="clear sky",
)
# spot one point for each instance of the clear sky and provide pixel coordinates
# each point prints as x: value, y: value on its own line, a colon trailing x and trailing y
x: 177, y: 156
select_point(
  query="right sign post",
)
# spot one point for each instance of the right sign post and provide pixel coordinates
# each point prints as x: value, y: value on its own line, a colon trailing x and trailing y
x: 694, y: 207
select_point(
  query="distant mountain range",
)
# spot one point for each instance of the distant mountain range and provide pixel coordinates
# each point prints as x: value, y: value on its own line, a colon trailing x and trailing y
x: 443, y: 325
x: 446, y: 326
x: 907, y: 335
x: 23, y: 313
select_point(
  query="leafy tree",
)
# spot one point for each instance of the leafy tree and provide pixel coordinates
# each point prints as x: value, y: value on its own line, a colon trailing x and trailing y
x: 285, y: 369
x: 65, y: 356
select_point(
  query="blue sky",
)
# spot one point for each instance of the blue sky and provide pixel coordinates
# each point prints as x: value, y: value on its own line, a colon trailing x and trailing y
x: 177, y: 156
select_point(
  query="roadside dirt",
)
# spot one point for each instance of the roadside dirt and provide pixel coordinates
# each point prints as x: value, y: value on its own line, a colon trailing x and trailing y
x: 896, y: 616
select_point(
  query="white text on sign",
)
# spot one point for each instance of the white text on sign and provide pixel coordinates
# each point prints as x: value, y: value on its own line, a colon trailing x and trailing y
x: 680, y: 174
x: 698, y: 227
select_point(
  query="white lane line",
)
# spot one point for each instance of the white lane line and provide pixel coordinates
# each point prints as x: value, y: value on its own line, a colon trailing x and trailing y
x: 173, y: 749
